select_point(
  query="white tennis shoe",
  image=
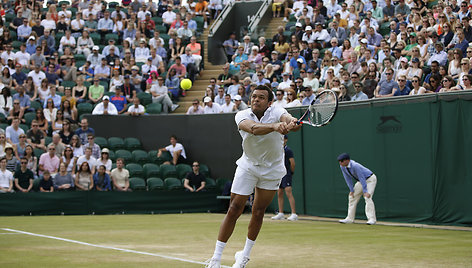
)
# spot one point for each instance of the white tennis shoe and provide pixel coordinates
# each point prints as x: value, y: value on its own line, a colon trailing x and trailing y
x: 279, y: 216
x: 371, y: 222
x: 293, y: 217
x: 241, y: 260
x: 347, y: 221
x: 213, y: 263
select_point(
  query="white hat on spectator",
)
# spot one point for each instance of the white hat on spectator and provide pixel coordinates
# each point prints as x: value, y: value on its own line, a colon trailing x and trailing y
x: 364, y: 41
x: 298, y: 24
x: 31, y: 38
x: 95, y: 48
x: 237, y: 97
x: 308, y: 28
x: 300, y: 60
x: 105, y: 150
x: 403, y: 59
x: 206, y: 99
x: 105, y: 98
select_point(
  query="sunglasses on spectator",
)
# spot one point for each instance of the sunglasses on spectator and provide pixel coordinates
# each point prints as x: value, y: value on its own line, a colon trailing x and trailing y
x: 401, y: 80
x: 414, y: 81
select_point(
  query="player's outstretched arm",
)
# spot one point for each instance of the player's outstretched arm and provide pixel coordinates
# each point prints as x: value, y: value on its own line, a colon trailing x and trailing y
x: 263, y: 128
x: 291, y: 122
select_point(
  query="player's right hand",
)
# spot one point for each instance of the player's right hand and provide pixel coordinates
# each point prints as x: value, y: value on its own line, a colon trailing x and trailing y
x: 282, y: 128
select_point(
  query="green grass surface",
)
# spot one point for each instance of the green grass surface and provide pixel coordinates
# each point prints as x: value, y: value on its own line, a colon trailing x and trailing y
x: 193, y: 236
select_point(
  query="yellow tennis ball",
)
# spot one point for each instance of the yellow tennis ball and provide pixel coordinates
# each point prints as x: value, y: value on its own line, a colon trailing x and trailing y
x: 186, y: 84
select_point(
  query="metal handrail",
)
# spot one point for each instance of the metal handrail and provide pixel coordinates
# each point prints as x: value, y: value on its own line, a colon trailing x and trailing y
x: 219, y: 20
x: 258, y: 16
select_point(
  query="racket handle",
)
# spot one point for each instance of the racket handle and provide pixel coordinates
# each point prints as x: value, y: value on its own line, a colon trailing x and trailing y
x: 299, y: 122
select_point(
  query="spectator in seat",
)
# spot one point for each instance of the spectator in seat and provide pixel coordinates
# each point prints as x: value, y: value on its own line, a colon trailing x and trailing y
x: 36, y: 136
x: 84, y: 130
x: 136, y: 109
x: 87, y: 157
x: 228, y: 105
x: 120, y: 177
x: 24, y: 177
x: 63, y: 180
x: 101, y: 179
x: 49, y: 161
x: 14, y: 131
x: 211, y: 107
x: 6, y: 177
x: 91, y: 144
x: 83, y: 178
x: 119, y: 100
x: 105, y: 107
x: 46, y: 184
x: 176, y: 150
x: 195, y: 181
x: 196, y: 108
x: 160, y: 94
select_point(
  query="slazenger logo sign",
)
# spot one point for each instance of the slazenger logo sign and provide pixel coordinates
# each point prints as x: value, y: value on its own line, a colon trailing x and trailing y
x: 389, y: 124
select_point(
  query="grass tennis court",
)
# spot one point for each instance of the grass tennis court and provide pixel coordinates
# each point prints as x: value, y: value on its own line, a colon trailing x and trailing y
x: 192, y: 237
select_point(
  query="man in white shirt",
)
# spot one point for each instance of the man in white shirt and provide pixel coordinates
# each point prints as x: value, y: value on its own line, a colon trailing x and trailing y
x: 261, y: 167
x: 176, y: 150
x: 196, y: 108
x: 87, y: 157
x: 66, y: 13
x: 169, y: 16
x: 211, y: 107
x: 89, y: 12
x: 228, y: 106
x: 6, y: 177
x: 160, y: 94
x: 22, y: 57
x: 285, y: 81
x: 279, y: 101
x: 37, y: 75
x: 220, y: 97
x: 136, y: 109
x: 105, y: 107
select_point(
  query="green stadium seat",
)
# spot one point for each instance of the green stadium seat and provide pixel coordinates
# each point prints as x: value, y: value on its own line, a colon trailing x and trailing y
x: 205, y: 170
x: 109, y: 37
x: 145, y: 98
x: 101, y: 141
x: 116, y: 143
x: 154, y: 108
x: 173, y: 184
x: 157, y: 20
x: 47, y: 140
x: 105, y: 85
x: 3, y: 126
x: 70, y: 84
x: 9, y: 17
x: 95, y: 38
x: 135, y: 170
x: 210, y: 183
x: 16, y: 44
x: 79, y: 57
x: 161, y: 28
x: 151, y: 170
x: 132, y: 143
x: 84, y: 108
x: 38, y: 152
x: 155, y: 184
x: 199, y: 21
x: 137, y: 184
x: 24, y: 127
x: 36, y: 184
x: 220, y: 183
x: 2, y: 118
x: 168, y: 171
x: 13, y: 35
x: 29, y: 117
x: 79, y: 64
x: 36, y: 105
x: 113, y: 4
x: 164, y: 158
x: 126, y: 155
x: 112, y: 156
x: 182, y: 170
x: 152, y: 156
x: 139, y: 156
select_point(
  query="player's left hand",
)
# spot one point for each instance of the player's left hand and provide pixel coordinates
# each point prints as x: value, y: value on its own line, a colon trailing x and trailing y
x: 293, y: 125
x: 367, y: 195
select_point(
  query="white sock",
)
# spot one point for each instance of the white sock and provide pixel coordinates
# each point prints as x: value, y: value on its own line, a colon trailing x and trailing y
x: 248, y: 247
x: 218, y: 250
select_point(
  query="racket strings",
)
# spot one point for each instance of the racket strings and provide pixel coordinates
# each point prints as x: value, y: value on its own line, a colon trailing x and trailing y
x: 322, y: 109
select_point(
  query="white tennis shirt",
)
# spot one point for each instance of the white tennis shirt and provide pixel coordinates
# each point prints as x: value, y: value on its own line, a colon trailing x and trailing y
x: 262, y: 150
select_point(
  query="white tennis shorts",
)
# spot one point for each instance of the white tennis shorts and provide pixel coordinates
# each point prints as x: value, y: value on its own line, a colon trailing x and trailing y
x: 246, y: 180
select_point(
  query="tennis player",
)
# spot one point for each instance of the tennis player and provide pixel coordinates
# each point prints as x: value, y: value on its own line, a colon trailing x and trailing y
x: 261, y: 167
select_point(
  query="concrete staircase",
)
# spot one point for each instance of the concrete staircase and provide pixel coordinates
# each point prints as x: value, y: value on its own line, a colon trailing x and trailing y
x: 271, y: 29
x: 201, y: 82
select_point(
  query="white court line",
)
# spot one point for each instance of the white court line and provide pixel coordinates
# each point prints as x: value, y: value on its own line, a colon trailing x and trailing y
x: 8, y: 233
x: 107, y: 247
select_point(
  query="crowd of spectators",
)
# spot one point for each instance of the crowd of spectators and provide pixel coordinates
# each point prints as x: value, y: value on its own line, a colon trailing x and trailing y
x: 87, y: 51
x: 359, y: 49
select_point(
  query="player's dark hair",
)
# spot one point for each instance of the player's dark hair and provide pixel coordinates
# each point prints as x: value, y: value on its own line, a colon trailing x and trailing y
x: 173, y: 136
x: 270, y: 95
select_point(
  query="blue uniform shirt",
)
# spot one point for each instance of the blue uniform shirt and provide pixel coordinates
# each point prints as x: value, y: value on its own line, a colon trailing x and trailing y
x: 359, y: 172
x: 288, y: 155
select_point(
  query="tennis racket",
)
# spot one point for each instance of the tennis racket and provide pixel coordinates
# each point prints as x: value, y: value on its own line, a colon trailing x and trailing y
x: 322, y: 109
